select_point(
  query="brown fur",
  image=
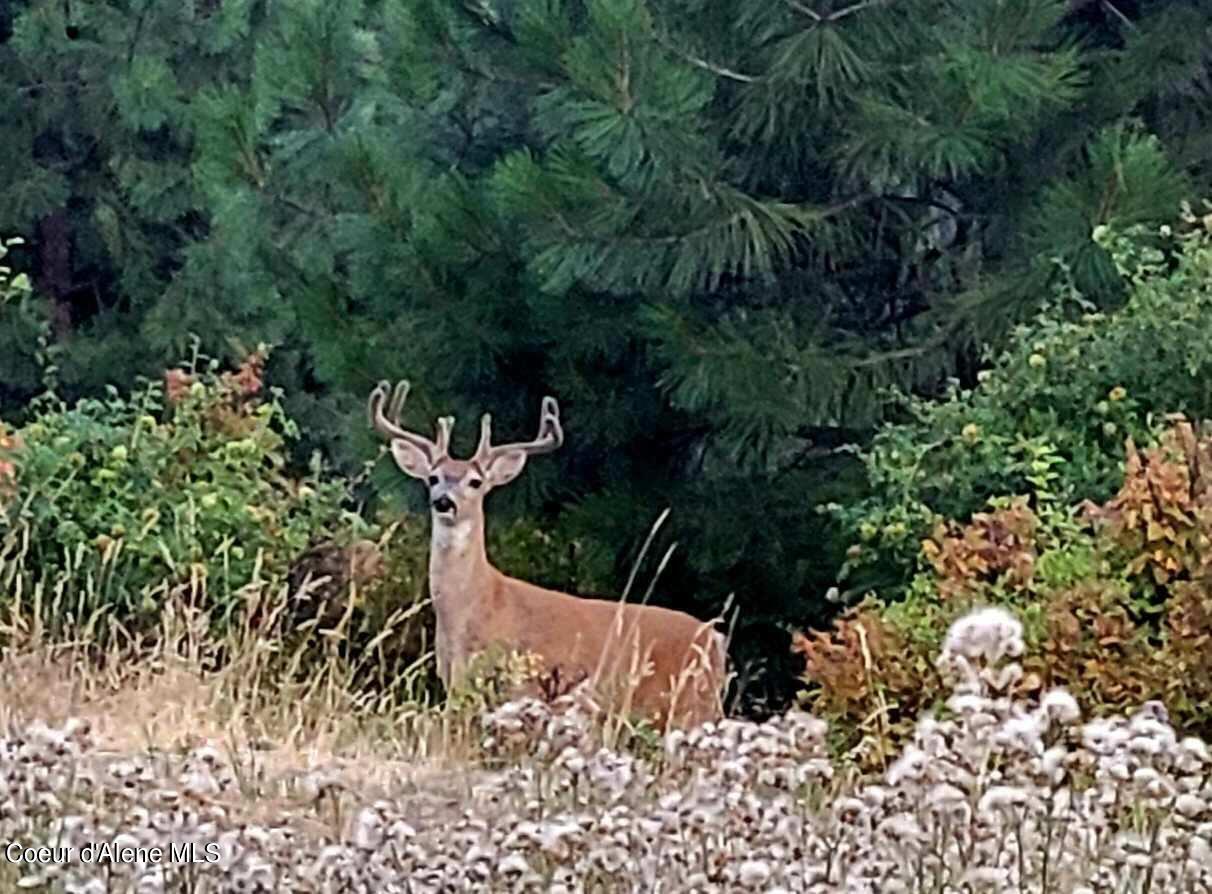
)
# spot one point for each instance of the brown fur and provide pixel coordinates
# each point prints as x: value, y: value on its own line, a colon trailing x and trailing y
x: 660, y: 664
x: 644, y: 659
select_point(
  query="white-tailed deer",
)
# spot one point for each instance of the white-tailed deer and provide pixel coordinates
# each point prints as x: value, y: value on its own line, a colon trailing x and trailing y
x: 663, y: 665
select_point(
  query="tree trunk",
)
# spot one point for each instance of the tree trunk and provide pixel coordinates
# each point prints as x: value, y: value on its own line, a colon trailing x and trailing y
x: 55, y: 269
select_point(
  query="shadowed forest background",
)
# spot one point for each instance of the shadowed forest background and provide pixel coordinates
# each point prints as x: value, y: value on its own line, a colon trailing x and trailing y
x: 735, y: 240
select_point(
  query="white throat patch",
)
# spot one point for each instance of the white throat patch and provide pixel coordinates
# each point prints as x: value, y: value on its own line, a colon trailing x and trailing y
x: 454, y: 538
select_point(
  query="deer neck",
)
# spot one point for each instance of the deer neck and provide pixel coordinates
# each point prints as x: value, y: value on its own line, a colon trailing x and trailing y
x: 460, y: 579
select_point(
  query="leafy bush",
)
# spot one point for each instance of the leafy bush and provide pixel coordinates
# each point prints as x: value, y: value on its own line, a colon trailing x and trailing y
x: 24, y: 331
x: 1116, y: 601
x: 183, y: 488
x: 182, y: 483
x: 1049, y: 416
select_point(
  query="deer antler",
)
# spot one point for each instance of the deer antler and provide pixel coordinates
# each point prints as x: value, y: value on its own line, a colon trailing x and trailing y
x: 388, y: 423
x: 668, y: 666
x: 550, y: 436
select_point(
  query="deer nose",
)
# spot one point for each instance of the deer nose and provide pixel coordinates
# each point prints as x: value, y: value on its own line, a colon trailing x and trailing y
x: 444, y: 504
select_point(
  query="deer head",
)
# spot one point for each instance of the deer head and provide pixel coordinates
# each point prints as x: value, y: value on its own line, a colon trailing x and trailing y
x: 457, y: 487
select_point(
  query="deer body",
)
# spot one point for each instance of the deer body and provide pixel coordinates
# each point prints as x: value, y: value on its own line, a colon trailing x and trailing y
x: 661, y: 664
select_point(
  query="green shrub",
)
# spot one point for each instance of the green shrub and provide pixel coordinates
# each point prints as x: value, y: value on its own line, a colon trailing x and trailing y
x: 546, y: 557
x: 24, y: 330
x: 182, y: 485
x: 1028, y: 490
x: 1048, y: 418
x: 1116, y: 603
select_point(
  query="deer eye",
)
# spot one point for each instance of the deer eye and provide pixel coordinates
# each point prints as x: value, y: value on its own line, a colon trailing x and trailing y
x: 474, y: 482
x: 433, y: 480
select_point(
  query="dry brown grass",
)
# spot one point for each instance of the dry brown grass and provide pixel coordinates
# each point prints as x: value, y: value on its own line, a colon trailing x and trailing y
x: 279, y: 698
x: 284, y: 710
x: 315, y: 783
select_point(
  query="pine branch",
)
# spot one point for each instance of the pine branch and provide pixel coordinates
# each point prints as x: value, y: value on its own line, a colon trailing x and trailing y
x: 856, y: 8
x: 134, y: 41
x: 708, y: 66
x: 732, y: 219
x: 837, y: 15
x: 50, y: 85
x: 455, y: 55
x: 801, y: 8
x: 935, y: 203
x: 1117, y: 13
x: 294, y: 205
x: 483, y: 16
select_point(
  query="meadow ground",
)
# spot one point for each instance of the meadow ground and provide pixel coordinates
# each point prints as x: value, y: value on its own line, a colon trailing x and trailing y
x: 317, y: 787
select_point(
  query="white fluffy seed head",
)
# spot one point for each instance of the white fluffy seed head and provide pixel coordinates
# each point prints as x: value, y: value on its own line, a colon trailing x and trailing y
x: 754, y: 873
x: 1060, y: 706
x: 988, y: 634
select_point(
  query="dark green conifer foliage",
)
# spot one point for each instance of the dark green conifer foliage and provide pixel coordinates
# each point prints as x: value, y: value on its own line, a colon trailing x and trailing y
x: 715, y: 230
x: 97, y: 141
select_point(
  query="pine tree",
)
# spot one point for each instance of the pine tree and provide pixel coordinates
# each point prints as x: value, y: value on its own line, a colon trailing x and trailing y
x: 97, y: 138
x: 716, y: 231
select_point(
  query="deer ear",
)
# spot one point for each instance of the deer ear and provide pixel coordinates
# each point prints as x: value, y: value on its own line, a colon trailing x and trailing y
x: 411, y: 459
x: 505, y: 467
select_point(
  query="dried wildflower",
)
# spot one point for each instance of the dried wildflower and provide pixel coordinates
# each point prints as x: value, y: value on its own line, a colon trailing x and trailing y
x: 1191, y: 806
x: 989, y: 634
x: 368, y: 830
x: 909, y: 766
x: 999, y: 797
x: 513, y: 865
x: 89, y: 886
x: 716, y: 813
x: 1060, y: 706
x: 754, y: 874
